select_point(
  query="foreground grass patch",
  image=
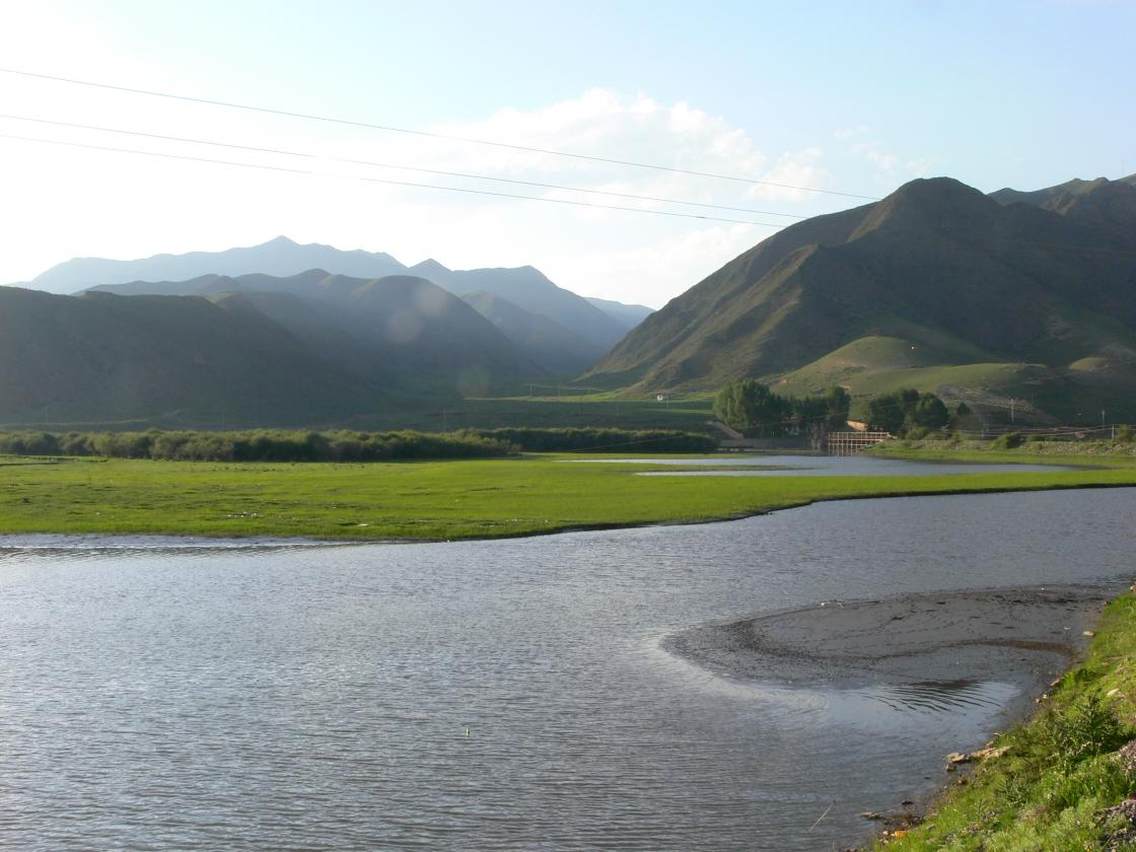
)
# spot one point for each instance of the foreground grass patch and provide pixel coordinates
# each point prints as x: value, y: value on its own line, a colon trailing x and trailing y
x: 431, y: 500
x: 1062, y: 774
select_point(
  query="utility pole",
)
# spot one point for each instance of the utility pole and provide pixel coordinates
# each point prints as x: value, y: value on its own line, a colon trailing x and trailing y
x: 1012, y: 401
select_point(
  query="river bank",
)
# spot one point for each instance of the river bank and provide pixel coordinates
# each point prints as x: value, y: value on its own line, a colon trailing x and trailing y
x: 1063, y: 780
x: 1053, y: 782
x: 447, y: 500
x: 1025, y: 636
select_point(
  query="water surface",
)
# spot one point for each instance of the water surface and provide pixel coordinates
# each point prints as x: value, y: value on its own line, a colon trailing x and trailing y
x: 306, y: 697
x: 799, y: 465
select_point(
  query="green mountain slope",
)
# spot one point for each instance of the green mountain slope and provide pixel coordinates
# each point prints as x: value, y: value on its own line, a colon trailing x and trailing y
x: 402, y: 331
x: 935, y: 275
x: 104, y: 358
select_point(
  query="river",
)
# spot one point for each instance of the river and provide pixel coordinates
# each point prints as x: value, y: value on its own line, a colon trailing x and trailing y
x: 490, y: 695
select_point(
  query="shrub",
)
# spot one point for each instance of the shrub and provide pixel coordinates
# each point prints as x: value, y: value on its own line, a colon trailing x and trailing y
x: 1009, y: 441
x: 597, y: 440
x: 259, y: 445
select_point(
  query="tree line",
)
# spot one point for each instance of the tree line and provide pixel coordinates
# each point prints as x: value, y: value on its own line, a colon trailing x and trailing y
x: 603, y: 440
x: 256, y: 445
x: 279, y: 445
x: 756, y: 411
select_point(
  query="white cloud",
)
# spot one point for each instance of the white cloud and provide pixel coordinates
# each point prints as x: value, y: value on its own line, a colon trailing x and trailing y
x: 792, y: 176
x: 65, y: 202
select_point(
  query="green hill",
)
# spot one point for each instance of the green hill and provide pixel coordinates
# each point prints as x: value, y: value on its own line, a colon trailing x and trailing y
x: 66, y: 359
x: 309, y: 349
x: 936, y: 286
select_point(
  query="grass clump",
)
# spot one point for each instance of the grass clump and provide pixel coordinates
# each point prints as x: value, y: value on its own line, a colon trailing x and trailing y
x: 1063, y: 774
x: 1009, y: 441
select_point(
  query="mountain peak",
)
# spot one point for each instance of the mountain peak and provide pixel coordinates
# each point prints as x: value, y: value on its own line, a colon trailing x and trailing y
x: 429, y: 265
x: 936, y: 190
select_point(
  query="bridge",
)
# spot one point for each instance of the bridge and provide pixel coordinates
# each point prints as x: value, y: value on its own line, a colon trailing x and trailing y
x: 850, y: 443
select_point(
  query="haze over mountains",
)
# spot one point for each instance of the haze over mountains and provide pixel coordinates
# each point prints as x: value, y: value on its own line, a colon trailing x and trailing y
x: 1023, y: 299
x: 309, y: 348
x: 1024, y: 296
x: 589, y: 328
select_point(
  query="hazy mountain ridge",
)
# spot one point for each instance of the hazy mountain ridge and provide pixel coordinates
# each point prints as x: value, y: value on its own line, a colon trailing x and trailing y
x: 104, y: 357
x: 326, y: 346
x: 525, y: 286
x: 936, y: 264
x: 546, y: 342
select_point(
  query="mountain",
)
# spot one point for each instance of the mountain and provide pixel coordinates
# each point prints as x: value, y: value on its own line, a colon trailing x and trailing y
x: 541, y: 340
x: 936, y: 286
x: 311, y: 349
x: 99, y: 357
x: 529, y: 289
x: 280, y: 257
x: 525, y: 286
x: 1101, y: 203
x: 405, y: 330
x: 628, y: 316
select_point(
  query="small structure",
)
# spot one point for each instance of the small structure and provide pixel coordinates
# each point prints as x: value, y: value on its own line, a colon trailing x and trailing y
x: 850, y: 443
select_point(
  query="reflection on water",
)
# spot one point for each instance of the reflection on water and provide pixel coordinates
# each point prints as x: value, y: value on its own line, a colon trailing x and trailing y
x: 940, y: 696
x: 860, y: 465
x: 314, y: 697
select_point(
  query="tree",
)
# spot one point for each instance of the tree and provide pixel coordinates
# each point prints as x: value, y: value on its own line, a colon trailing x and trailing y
x: 930, y: 412
x: 751, y: 407
x: 837, y: 403
x: 906, y: 410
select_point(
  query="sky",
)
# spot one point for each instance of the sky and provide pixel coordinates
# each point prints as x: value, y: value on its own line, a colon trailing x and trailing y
x: 846, y: 98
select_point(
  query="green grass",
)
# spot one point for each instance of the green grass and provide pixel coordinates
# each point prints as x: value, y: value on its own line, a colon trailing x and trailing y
x: 571, y: 409
x: 1082, y: 453
x: 1060, y: 773
x: 431, y: 500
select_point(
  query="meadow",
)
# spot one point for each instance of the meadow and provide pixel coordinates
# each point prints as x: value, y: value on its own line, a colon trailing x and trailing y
x: 432, y: 500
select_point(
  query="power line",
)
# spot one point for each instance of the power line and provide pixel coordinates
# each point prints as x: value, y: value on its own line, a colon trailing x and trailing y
x: 387, y: 181
x: 386, y: 128
x: 349, y: 161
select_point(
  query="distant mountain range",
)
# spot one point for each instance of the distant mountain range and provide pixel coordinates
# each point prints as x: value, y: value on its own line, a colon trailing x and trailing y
x: 1022, y: 301
x: 584, y: 329
x: 1023, y: 296
x: 310, y: 348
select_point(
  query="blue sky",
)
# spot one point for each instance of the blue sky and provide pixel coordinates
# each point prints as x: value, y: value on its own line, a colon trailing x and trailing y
x: 851, y: 97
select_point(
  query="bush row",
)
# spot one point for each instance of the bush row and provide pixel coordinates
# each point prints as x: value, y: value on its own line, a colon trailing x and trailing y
x: 258, y: 445
x: 601, y: 440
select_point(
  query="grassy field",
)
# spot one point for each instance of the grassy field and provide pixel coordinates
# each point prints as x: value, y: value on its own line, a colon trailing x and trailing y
x: 431, y: 500
x: 1062, y: 775
x: 569, y: 409
x: 1096, y: 453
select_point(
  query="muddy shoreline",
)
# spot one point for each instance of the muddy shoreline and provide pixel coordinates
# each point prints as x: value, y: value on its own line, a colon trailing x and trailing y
x: 912, y: 651
x: 1022, y: 636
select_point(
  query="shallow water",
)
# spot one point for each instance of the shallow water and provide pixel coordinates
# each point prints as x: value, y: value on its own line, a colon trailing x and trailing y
x: 789, y: 465
x: 307, y: 697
